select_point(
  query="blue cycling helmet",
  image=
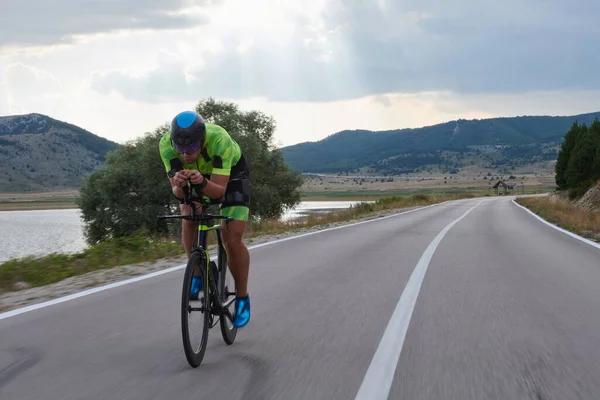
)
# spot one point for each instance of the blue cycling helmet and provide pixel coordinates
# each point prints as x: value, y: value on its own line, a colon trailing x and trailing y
x: 188, y: 132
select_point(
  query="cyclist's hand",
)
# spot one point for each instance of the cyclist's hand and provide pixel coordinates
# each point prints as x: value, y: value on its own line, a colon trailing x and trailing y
x: 195, y: 177
x: 181, y: 178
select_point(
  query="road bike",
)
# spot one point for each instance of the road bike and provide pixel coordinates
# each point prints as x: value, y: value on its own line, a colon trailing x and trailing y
x: 215, y: 297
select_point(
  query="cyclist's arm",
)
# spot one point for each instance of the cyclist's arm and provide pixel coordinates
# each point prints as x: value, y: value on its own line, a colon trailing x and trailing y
x: 216, y: 186
x: 174, y: 173
x: 219, y: 176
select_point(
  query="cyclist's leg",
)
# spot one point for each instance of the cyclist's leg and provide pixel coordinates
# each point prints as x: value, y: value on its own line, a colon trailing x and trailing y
x: 189, y: 229
x: 238, y: 257
x: 238, y: 260
x: 236, y: 205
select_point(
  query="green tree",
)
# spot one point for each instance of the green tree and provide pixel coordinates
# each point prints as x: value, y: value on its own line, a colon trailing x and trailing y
x: 274, y: 185
x: 579, y: 169
x: 125, y: 196
x: 560, y: 168
x: 595, y: 129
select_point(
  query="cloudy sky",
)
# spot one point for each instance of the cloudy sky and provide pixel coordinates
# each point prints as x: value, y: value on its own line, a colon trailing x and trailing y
x: 121, y: 68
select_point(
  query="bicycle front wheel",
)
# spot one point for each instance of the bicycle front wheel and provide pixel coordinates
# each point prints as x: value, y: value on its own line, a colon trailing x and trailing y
x: 195, y: 311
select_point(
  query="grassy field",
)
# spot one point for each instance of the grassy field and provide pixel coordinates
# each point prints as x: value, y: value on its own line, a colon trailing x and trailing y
x: 53, y: 268
x: 342, y: 187
x: 57, y: 195
x: 367, y: 195
x: 374, y: 195
x: 342, y: 183
x: 338, y: 187
x: 565, y: 214
x: 37, y: 205
x: 55, y: 200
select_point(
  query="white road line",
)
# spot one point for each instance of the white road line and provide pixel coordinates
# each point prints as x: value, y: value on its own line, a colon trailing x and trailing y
x: 73, y: 296
x: 88, y: 292
x: 380, y: 375
x: 558, y: 228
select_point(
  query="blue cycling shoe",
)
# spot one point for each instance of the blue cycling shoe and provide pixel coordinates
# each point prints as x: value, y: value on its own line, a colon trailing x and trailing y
x: 196, y: 286
x: 242, y: 311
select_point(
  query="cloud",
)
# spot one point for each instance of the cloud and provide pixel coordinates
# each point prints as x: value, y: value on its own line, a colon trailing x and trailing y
x: 358, y: 48
x: 27, y: 86
x: 293, y: 65
x: 24, y: 78
x: 42, y: 22
x: 167, y: 82
x: 318, y: 66
x: 4, y: 104
x: 471, y: 46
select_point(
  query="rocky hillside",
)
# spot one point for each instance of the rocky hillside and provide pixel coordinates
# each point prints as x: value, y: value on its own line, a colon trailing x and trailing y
x: 39, y: 153
x: 504, y: 145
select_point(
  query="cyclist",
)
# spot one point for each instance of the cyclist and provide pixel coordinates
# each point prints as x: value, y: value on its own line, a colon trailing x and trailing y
x: 207, y: 156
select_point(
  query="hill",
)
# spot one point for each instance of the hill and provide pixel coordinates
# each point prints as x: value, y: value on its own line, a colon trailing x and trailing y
x: 39, y: 153
x: 499, y: 144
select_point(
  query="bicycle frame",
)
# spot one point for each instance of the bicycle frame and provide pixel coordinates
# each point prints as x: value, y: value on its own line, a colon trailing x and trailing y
x: 201, y: 246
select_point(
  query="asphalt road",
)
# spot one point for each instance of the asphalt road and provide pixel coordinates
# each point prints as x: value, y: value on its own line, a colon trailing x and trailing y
x: 507, y: 308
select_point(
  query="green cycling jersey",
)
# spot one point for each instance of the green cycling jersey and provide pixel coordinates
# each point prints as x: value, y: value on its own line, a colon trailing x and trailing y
x: 220, y: 152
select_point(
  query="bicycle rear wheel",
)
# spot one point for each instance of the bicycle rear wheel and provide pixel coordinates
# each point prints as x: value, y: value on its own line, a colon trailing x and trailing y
x: 227, y: 291
x: 195, y: 312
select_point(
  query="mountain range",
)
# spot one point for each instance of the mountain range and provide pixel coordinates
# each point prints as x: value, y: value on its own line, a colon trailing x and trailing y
x: 40, y: 153
x: 499, y: 144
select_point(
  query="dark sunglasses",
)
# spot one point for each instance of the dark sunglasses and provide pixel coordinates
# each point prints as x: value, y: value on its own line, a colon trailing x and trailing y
x: 187, y: 148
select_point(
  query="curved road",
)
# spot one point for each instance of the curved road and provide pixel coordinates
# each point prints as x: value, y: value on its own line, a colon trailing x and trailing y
x: 473, y: 299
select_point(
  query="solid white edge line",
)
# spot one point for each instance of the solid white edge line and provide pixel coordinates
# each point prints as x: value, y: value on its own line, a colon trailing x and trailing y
x: 558, y: 228
x: 58, y: 300
x: 378, y: 380
x: 73, y: 296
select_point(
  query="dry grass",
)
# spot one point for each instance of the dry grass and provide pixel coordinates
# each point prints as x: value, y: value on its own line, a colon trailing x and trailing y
x: 57, y: 195
x: 357, y: 211
x: 566, y: 214
x: 37, y: 205
x: 60, y: 199
x: 339, y: 183
x: 40, y: 271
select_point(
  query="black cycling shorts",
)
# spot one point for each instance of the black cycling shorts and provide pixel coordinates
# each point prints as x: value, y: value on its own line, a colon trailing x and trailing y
x: 237, y: 192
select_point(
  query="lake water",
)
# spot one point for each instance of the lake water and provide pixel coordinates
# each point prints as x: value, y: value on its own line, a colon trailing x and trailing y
x: 41, y: 232
x: 306, y: 207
